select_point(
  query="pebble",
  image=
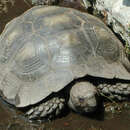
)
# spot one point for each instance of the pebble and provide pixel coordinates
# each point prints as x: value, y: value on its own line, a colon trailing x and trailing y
x: 127, y: 106
x: 112, y: 109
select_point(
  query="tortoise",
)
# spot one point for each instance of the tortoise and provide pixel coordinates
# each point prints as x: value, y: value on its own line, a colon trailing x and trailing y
x: 52, y: 56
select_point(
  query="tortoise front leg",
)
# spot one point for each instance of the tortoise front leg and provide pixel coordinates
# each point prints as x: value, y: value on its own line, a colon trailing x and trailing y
x: 46, y: 110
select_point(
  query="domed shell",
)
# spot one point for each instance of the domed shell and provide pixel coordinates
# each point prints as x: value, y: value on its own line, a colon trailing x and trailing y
x: 46, y: 48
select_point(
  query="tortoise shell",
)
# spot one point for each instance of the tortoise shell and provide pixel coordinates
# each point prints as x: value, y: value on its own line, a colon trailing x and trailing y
x: 46, y: 48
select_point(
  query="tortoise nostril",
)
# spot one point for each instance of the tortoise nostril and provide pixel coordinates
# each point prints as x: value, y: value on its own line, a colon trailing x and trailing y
x: 81, y: 99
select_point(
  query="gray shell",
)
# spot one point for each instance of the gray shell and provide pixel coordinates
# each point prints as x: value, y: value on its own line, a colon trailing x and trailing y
x: 46, y: 48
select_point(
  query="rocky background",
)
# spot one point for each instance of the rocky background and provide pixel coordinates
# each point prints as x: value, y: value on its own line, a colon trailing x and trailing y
x: 116, y: 14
